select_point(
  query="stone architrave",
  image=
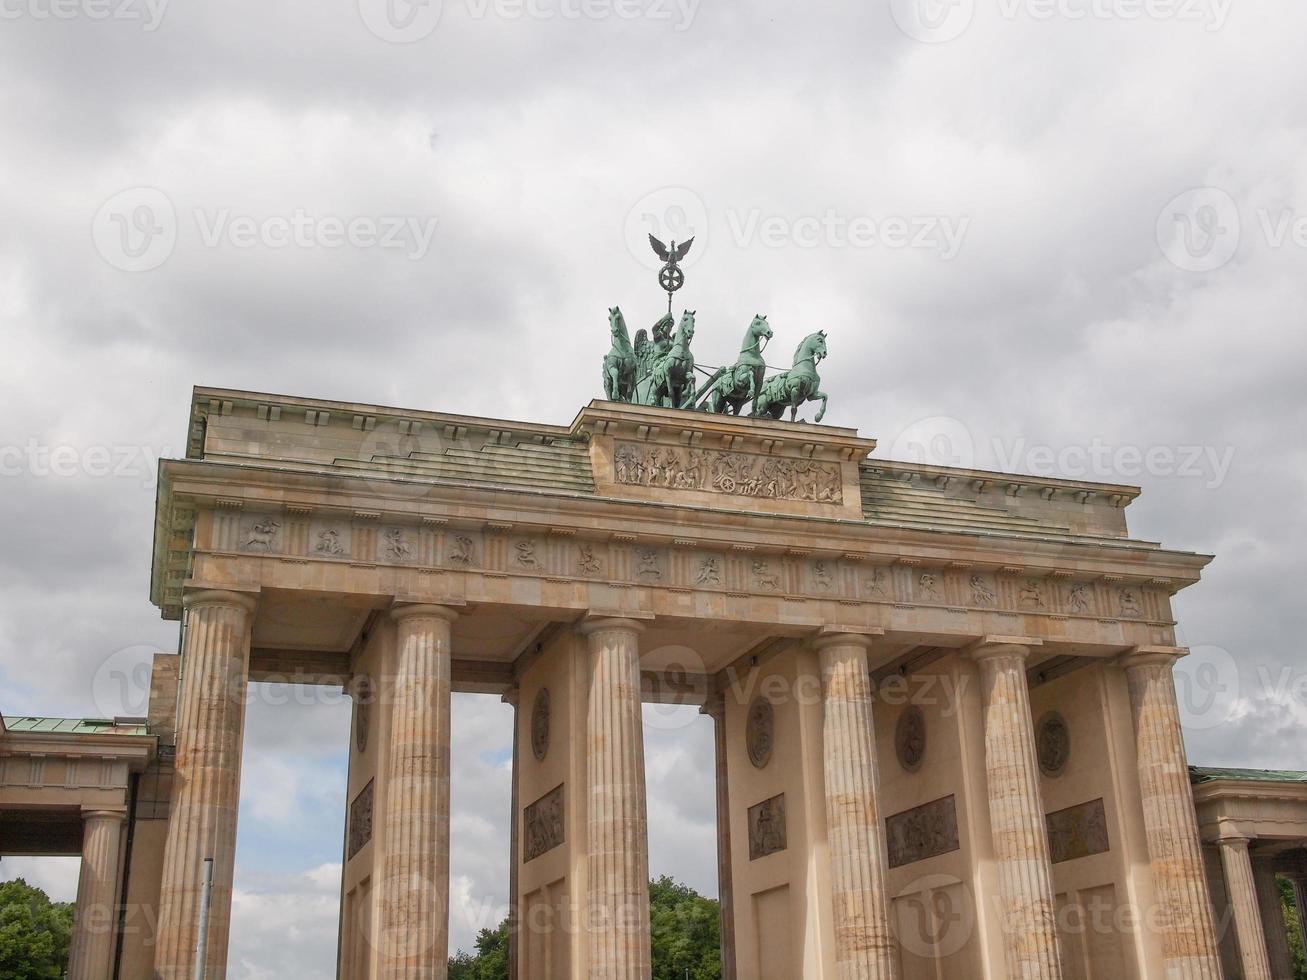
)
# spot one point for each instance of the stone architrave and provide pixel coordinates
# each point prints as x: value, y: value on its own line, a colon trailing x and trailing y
x: 206, y: 783
x: 864, y: 946
x: 1243, y: 902
x: 1187, y: 928
x: 1016, y: 813
x: 617, y: 889
x: 96, y: 914
x: 413, y: 906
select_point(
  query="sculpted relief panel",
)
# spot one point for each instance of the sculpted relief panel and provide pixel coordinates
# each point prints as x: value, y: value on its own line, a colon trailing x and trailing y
x: 767, y: 833
x: 741, y: 474
x: 1078, y: 831
x: 923, y: 832
x: 543, y: 824
x: 360, y: 819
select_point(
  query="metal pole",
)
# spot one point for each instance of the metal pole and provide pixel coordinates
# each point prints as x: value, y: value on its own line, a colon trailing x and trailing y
x: 206, y: 897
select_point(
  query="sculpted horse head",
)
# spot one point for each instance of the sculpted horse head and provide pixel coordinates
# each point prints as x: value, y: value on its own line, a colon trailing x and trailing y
x: 617, y: 327
x: 813, y: 348
x: 756, y: 337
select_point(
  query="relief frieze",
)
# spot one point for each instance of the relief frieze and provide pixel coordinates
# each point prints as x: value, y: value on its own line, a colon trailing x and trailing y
x: 1078, y: 831
x: 923, y: 832
x: 360, y: 819
x: 738, y: 474
x: 767, y: 834
x: 543, y: 825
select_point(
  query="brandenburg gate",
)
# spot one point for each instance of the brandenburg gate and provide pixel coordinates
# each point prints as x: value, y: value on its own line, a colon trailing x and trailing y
x: 946, y: 725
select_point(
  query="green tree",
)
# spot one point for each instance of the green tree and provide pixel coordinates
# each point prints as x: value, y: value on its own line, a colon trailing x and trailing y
x: 35, y: 933
x: 685, y: 930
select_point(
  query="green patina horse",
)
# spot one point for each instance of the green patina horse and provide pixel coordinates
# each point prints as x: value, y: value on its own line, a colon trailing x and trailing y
x: 620, y: 362
x: 799, y: 384
x: 740, y: 384
x: 672, y: 384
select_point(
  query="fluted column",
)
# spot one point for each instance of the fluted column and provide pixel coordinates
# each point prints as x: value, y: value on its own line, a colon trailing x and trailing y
x: 1243, y: 901
x: 1016, y: 814
x: 1299, y: 882
x: 511, y: 697
x: 413, y: 906
x: 1184, y: 906
x: 864, y: 947
x: 1272, y: 914
x: 617, y: 916
x: 96, y: 912
x: 206, y: 782
x: 715, y: 707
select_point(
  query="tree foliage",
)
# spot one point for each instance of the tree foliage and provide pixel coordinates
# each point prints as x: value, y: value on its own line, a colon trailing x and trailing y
x: 684, y: 926
x: 35, y: 933
x: 1290, y: 911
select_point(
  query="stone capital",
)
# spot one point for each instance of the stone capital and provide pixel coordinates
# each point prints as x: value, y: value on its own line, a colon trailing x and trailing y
x: 846, y: 636
x: 512, y: 696
x: 89, y: 814
x: 1002, y: 646
x: 1234, y: 841
x: 1152, y: 656
x: 597, y: 622
x: 246, y: 601
x: 426, y: 610
x: 714, y: 706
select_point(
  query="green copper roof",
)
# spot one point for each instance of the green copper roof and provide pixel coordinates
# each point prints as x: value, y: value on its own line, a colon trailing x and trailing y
x: 1207, y: 774
x: 76, y: 726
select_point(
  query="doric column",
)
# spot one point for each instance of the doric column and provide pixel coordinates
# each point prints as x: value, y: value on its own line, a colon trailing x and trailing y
x: 715, y: 708
x: 864, y: 947
x: 1016, y: 813
x: 617, y: 916
x: 96, y: 912
x: 1299, y: 882
x: 511, y: 697
x: 1188, y: 930
x: 1243, y: 901
x: 206, y: 782
x: 1272, y: 914
x: 413, y: 906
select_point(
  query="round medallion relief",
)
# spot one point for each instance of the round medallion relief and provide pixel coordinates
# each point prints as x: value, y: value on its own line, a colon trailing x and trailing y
x: 910, y: 738
x: 1052, y: 743
x: 540, y: 725
x: 759, y: 732
x: 362, y: 712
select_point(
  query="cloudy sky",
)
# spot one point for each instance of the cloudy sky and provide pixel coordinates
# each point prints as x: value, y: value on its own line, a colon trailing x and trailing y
x: 1062, y: 237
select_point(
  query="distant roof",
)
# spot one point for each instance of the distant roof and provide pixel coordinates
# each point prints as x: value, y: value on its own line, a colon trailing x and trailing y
x: 1207, y: 774
x: 76, y: 726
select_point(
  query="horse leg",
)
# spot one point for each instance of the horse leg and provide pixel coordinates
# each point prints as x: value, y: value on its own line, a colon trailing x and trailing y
x: 822, y: 411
